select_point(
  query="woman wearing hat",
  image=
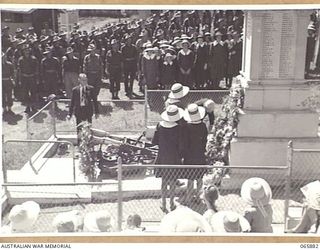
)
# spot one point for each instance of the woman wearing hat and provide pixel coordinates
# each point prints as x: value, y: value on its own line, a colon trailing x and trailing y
x: 201, y: 63
x: 229, y: 222
x: 217, y: 61
x: 195, y: 140
x: 234, y: 61
x: 168, y: 71
x: 186, y: 59
x: 310, y: 221
x: 257, y: 193
x: 150, y: 68
x: 177, y: 93
x: 169, y: 138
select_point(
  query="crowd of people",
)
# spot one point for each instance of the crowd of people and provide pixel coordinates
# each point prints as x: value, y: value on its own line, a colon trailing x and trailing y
x: 255, y: 218
x: 195, y: 48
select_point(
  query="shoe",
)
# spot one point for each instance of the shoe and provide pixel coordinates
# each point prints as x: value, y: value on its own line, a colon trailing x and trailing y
x: 164, y: 209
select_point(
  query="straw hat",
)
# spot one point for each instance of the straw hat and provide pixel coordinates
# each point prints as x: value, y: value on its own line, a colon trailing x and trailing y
x: 68, y: 222
x: 209, y: 105
x: 23, y: 217
x: 184, y: 220
x: 172, y: 114
x: 229, y: 221
x: 312, y: 193
x: 185, y: 42
x: 178, y: 91
x: 194, y: 113
x: 256, y: 191
x: 100, y: 221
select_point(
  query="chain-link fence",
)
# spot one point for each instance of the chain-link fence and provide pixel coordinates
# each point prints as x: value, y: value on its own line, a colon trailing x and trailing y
x: 141, y: 192
x: 155, y: 100
x: 40, y: 126
x: 23, y: 160
x: 304, y: 165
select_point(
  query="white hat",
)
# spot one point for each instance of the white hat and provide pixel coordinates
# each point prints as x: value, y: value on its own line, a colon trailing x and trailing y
x: 194, y: 113
x: 100, y: 221
x: 184, y: 220
x: 209, y: 105
x: 312, y: 193
x: 172, y: 114
x: 23, y: 217
x: 256, y: 191
x: 178, y: 91
x: 229, y: 221
x: 66, y: 222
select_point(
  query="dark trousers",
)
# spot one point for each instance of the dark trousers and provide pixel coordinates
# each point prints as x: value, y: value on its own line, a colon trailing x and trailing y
x: 29, y: 90
x: 94, y: 79
x: 50, y: 84
x: 7, y: 93
x: 115, y: 79
x: 128, y: 83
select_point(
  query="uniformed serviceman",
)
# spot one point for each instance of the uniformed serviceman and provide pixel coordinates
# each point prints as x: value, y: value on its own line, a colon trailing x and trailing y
x: 92, y: 67
x: 130, y: 60
x: 114, y: 62
x: 28, y: 70
x: 50, y: 69
x: 7, y: 84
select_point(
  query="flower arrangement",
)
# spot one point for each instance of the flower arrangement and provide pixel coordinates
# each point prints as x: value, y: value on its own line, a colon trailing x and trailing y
x: 88, y: 164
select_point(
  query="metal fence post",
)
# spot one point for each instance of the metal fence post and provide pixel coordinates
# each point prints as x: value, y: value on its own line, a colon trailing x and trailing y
x: 288, y: 183
x: 146, y: 107
x: 119, y: 194
x: 53, y: 116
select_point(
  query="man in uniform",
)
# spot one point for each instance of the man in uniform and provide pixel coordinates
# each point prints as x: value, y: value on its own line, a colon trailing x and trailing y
x: 70, y: 71
x: 130, y: 59
x: 5, y: 38
x: 113, y: 68
x: 7, y: 84
x: 28, y: 74
x: 92, y: 67
x: 50, y: 69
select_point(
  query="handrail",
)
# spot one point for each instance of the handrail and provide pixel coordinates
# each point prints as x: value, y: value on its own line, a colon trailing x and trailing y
x: 192, y: 91
x: 105, y: 100
x: 39, y: 111
x: 26, y: 184
x: 306, y: 150
x: 46, y: 141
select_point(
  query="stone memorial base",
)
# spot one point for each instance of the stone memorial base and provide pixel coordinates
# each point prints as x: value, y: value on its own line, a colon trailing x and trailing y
x: 248, y: 151
x: 282, y: 124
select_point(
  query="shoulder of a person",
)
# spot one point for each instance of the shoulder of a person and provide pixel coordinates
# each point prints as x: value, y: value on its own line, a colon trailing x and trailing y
x: 250, y: 210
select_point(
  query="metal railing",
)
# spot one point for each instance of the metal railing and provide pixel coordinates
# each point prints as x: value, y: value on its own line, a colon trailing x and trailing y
x: 19, y: 154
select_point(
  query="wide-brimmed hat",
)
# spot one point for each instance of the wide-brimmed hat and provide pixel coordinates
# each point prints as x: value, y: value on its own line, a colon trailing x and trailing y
x: 185, y: 42
x: 71, y: 221
x: 91, y: 47
x: 23, y: 217
x: 218, y: 33
x: 47, y: 50
x: 184, y: 220
x: 207, y: 34
x: 229, y: 221
x: 43, y: 38
x: 312, y: 193
x: 5, y: 28
x: 256, y: 191
x: 21, y: 41
x: 185, y: 37
x: 209, y: 105
x: 69, y: 50
x: 178, y: 91
x: 194, y: 113
x: 99, y: 221
x: 172, y: 113
x: 56, y: 39
x: 113, y: 41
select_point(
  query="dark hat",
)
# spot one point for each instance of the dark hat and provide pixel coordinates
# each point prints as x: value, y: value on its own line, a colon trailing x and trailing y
x: 160, y: 32
x: 69, y: 50
x: 19, y: 30
x: 43, y: 38
x: 56, y: 39
x: 21, y: 41
x: 62, y: 33
x: 114, y: 41
x: 47, y: 50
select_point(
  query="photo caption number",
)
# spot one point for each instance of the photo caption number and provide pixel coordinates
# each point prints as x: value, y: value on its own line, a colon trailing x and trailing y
x: 309, y: 246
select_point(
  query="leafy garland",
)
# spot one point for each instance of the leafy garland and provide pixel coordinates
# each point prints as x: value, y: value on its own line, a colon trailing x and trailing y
x: 313, y: 101
x: 224, y: 130
x: 88, y: 164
